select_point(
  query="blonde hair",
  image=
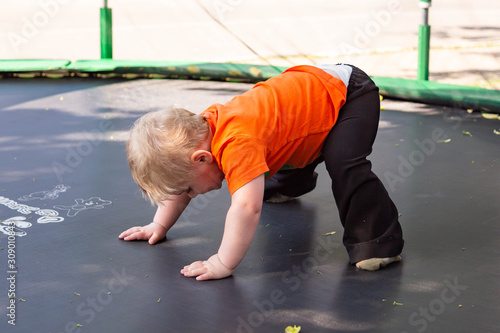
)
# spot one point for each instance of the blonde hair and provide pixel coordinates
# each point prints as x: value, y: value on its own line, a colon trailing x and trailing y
x: 159, y: 151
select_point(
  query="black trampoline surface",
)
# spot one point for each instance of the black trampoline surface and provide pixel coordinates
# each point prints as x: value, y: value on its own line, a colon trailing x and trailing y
x: 65, y: 181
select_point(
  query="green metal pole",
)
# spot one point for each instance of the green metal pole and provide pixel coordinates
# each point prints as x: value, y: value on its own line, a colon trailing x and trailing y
x: 106, y: 32
x: 424, y: 39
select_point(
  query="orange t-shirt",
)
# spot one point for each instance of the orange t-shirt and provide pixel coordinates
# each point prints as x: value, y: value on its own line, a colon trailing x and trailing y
x: 280, y: 123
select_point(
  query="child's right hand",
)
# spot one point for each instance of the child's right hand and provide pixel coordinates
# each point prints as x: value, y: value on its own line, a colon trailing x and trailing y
x: 152, y: 232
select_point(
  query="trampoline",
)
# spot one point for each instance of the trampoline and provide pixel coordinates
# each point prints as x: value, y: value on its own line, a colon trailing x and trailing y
x: 65, y: 183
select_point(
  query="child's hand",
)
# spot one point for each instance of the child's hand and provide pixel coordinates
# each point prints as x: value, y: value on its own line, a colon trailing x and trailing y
x: 210, y: 269
x: 152, y: 232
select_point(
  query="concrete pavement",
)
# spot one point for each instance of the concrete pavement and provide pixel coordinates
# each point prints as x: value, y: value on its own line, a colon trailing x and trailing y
x: 379, y: 36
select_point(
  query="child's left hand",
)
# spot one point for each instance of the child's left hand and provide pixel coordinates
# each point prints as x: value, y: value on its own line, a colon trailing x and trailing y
x: 209, y: 269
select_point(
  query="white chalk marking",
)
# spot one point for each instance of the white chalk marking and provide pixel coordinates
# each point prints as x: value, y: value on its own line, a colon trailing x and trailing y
x: 49, y: 216
x: 81, y: 205
x: 43, y: 195
x: 12, y: 226
x: 23, y: 209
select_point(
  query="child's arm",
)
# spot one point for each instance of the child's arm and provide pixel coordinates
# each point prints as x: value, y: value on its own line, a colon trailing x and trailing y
x: 165, y: 217
x: 241, y: 222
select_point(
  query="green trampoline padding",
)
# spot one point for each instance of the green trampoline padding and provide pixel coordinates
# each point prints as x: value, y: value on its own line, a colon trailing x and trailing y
x: 420, y: 91
x: 436, y: 93
x: 29, y: 65
x: 195, y: 70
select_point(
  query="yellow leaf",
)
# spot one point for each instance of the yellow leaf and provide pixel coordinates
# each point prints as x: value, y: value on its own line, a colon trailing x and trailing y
x: 193, y: 69
x: 235, y: 73
x: 496, y: 132
x: 489, y: 115
x: 294, y: 329
x: 444, y: 141
x: 254, y: 71
x: 330, y: 233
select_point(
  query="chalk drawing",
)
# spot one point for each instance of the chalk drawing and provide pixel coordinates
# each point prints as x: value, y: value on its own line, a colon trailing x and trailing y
x: 43, y: 195
x: 49, y: 216
x: 24, y: 209
x: 81, y: 205
x: 12, y: 226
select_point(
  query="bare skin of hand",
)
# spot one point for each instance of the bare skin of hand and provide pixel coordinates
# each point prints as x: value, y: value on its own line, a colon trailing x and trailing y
x: 210, y: 269
x: 152, y: 232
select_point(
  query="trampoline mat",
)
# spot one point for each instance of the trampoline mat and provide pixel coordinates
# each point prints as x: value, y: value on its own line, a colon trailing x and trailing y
x: 65, y: 182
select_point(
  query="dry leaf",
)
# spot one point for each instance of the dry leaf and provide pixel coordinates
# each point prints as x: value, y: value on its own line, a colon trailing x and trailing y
x: 466, y: 133
x: 490, y: 115
x: 294, y: 329
x: 444, y: 141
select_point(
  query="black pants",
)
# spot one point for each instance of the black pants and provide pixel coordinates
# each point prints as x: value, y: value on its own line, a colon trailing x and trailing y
x: 369, y: 217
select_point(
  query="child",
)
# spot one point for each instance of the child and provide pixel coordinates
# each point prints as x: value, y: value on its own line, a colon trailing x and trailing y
x: 266, y: 143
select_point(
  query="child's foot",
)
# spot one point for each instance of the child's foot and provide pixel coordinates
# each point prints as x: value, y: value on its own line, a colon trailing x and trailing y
x: 374, y: 264
x: 279, y: 198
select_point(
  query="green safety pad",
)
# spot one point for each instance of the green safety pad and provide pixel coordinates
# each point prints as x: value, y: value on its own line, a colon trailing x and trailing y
x: 201, y: 70
x: 419, y: 91
x: 32, y: 65
x: 110, y: 65
x: 429, y: 92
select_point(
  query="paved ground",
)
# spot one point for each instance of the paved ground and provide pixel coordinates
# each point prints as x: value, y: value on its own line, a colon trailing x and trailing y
x: 377, y: 35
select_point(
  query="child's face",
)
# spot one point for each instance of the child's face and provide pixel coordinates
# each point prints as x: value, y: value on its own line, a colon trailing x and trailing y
x: 207, y: 177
